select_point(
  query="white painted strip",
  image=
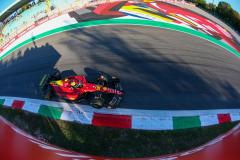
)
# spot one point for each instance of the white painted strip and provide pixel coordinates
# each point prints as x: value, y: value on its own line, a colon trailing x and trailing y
x: 72, y: 155
x: 67, y: 116
x: 169, y: 158
x: 207, y: 120
x: 215, y: 141
x: 82, y: 116
x: 31, y: 107
x: 192, y: 151
x: 38, y: 142
x: 235, y: 116
x: 48, y: 147
x: 57, y: 22
x: 152, y: 123
x: 8, y: 102
x: 128, y: 17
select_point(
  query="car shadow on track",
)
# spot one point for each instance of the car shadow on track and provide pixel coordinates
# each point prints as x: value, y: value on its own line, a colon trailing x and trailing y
x: 22, y: 70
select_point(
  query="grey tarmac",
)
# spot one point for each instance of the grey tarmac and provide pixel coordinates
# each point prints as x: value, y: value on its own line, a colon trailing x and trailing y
x: 159, y: 69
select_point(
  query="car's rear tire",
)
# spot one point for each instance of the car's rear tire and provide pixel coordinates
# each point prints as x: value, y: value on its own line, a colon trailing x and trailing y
x: 115, y: 79
x: 56, y: 75
x: 48, y: 93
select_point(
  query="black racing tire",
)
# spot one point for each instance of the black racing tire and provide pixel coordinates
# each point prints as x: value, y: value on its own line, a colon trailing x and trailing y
x: 97, y: 103
x: 56, y: 75
x: 115, y: 79
x: 48, y: 93
x: 106, y: 77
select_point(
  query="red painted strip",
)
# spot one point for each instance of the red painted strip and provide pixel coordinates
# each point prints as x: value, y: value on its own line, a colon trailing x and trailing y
x: 106, y: 9
x: 109, y: 120
x: 17, y: 104
x: 223, y: 118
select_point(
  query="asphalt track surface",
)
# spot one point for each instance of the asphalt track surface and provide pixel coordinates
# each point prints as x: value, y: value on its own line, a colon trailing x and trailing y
x: 159, y: 69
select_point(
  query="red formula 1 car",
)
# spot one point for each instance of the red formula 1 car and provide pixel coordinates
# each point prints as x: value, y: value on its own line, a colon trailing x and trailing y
x: 104, y: 91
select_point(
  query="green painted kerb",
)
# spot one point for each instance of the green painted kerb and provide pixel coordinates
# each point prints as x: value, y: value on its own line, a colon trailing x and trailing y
x: 162, y: 25
x: 186, y: 122
x: 2, y: 102
x: 49, y: 111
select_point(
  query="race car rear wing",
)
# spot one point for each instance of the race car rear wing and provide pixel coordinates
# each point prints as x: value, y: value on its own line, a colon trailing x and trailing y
x: 44, y: 82
x: 47, y: 78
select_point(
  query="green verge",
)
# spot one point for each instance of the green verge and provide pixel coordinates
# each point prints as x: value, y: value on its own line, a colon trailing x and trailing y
x: 1, y: 102
x: 51, y: 112
x: 162, y: 25
x: 110, y: 142
x: 186, y: 122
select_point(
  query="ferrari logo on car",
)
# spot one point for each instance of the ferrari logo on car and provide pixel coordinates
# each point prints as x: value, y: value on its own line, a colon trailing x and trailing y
x: 59, y: 83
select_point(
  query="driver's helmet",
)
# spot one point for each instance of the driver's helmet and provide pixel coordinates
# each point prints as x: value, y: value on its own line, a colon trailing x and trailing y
x: 75, y: 83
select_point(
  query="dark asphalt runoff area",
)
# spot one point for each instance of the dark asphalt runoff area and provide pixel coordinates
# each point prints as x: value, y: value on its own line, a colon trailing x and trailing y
x: 159, y: 69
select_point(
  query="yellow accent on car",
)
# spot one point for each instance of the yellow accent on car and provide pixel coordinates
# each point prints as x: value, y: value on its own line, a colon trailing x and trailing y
x: 73, y: 83
x: 98, y: 88
x: 72, y: 99
x: 59, y: 83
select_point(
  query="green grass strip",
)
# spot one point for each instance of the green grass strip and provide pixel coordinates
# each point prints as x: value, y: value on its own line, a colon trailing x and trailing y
x: 49, y: 111
x: 162, y: 25
x: 186, y: 122
x: 2, y: 102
